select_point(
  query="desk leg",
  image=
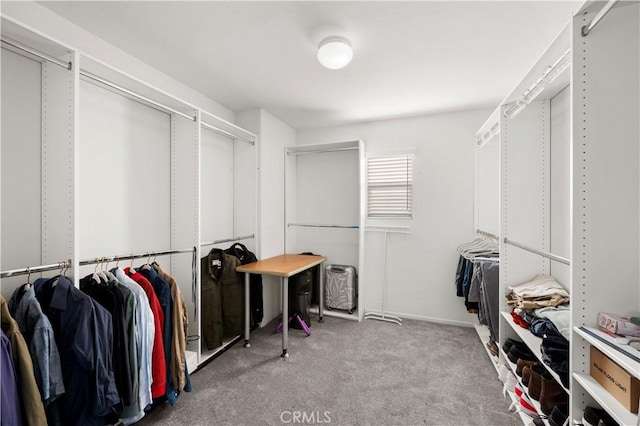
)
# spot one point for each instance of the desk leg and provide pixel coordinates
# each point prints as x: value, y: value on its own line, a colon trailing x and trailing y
x: 321, y: 291
x: 285, y: 317
x: 247, y: 310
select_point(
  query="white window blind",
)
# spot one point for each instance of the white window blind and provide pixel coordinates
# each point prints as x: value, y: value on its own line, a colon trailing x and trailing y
x: 390, y: 186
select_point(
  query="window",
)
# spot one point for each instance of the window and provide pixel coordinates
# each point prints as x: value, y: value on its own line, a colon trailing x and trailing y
x: 390, y: 186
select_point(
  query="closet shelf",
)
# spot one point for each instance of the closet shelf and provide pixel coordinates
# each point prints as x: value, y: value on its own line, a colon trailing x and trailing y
x: 533, y: 342
x: 207, y: 354
x: 606, y: 401
x: 633, y: 367
x: 534, y: 403
x: 484, y: 335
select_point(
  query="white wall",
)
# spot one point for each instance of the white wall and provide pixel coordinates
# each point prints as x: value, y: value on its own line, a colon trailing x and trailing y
x: 45, y: 21
x: 273, y: 136
x: 421, y: 265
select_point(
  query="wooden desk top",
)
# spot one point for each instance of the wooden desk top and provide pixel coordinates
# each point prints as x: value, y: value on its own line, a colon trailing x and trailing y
x: 284, y: 265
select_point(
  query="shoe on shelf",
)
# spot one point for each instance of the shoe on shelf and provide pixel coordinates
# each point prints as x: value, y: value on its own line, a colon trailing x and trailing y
x: 552, y: 394
x: 509, y: 343
x: 526, y: 375
x: 526, y: 406
x: 518, y: 390
x: 558, y: 415
x: 516, y: 353
x: 535, y: 380
x: 510, y: 383
x: 597, y: 417
x: 502, y: 372
x: 521, y: 363
x: 493, y: 348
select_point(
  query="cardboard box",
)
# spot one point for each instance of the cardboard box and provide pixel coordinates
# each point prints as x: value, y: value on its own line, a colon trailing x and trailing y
x: 618, y: 324
x: 615, y: 379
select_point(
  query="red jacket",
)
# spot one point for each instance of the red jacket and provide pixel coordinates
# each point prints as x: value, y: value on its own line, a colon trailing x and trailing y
x: 158, y: 361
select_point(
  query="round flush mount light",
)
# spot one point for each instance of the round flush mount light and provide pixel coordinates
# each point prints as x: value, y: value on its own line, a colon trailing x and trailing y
x: 335, y: 52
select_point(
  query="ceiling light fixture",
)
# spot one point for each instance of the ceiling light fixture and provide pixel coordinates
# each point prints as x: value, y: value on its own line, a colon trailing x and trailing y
x: 335, y: 52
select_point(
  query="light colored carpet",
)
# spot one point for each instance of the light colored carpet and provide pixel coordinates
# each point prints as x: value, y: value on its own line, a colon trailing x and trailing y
x: 347, y: 373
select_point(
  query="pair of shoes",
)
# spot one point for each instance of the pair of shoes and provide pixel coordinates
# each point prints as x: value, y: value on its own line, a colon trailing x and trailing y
x: 558, y: 415
x: 526, y: 374
x: 502, y: 372
x: 526, y: 406
x: 509, y: 383
x: 522, y: 363
x: 534, y: 386
x: 493, y: 348
x: 517, y: 351
x: 552, y: 394
x: 509, y: 343
x: 597, y: 417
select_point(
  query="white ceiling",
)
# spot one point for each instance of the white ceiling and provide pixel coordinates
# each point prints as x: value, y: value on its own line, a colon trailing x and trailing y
x: 410, y: 58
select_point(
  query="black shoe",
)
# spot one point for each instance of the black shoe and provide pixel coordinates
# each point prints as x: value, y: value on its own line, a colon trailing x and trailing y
x: 558, y: 415
x: 516, y: 353
x: 509, y: 343
x: 593, y: 417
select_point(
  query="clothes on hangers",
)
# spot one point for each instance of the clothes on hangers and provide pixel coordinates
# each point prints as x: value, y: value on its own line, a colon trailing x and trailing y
x: 158, y: 360
x: 178, y: 367
x: 10, y: 404
x: 33, y: 414
x: 163, y: 292
x: 38, y: 334
x: 84, y: 333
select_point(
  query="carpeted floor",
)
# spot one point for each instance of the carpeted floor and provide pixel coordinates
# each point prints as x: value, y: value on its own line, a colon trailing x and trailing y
x: 347, y: 373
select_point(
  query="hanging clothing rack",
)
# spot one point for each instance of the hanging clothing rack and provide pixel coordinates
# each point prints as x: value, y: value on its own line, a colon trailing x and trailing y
x: 227, y: 240
x: 382, y: 316
x: 315, y: 151
x: 226, y: 133
x: 108, y: 259
x: 312, y: 225
x: 591, y: 25
x: 143, y: 98
x: 36, y: 53
x: 36, y: 269
x: 538, y: 252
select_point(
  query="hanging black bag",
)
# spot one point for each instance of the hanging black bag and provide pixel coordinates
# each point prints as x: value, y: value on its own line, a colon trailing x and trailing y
x: 255, y: 281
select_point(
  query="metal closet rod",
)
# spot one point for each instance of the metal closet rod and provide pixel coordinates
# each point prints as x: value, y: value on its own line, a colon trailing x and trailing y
x: 591, y: 25
x: 312, y: 225
x: 487, y: 234
x: 135, y: 256
x: 36, y: 53
x: 315, y: 151
x: 134, y: 94
x: 226, y: 133
x: 538, y: 252
x: 390, y: 229
x: 36, y: 269
x: 227, y: 240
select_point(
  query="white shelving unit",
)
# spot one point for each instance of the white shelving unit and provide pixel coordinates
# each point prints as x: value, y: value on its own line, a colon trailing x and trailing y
x: 102, y: 137
x: 567, y: 135
x: 325, y: 207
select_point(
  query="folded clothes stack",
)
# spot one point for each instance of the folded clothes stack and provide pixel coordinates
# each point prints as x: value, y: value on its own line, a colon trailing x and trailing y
x: 542, y: 306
